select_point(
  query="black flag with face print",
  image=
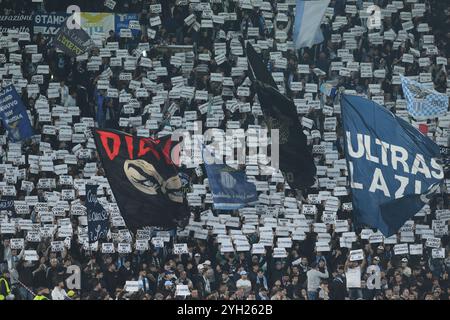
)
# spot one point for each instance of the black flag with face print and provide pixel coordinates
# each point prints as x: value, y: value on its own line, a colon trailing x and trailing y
x: 143, y: 179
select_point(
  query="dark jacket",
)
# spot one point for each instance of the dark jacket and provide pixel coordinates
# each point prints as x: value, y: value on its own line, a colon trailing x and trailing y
x: 338, y: 289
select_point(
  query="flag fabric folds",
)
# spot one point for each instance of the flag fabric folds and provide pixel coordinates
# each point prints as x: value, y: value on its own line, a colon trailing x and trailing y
x: 296, y: 160
x: 72, y: 42
x: 258, y: 67
x: 143, y: 178
x: 14, y: 115
x: 394, y: 169
x: 229, y: 187
x: 328, y: 89
x: 97, y: 216
x: 422, y: 101
x: 308, y: 17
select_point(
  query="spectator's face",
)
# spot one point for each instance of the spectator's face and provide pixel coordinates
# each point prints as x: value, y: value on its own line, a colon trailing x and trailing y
x: 405, y: 294
x: 389, y: 294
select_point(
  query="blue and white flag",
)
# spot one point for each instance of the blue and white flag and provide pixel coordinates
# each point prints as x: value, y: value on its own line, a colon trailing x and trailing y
x: 14, y: 115
x: 308, y: 17
x: 422, y: 101
x: 229, y: 187
x: 394, y: 169
x: 328, y: 89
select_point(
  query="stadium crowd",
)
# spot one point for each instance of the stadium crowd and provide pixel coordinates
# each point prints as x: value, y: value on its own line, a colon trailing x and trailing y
x: 175, y: 55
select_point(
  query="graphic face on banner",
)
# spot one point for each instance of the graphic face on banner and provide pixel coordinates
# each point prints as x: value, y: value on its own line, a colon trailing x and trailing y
x: 143, y: 178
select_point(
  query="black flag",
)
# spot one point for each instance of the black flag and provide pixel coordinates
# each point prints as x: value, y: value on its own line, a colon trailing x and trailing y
x: 143, y: 178
x: 296, y: 160
x: 97, y: 217
x: 260, y: 71
x: 72, y: 42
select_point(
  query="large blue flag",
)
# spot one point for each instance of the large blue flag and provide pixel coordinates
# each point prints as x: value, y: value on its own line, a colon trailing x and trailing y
x: 422, y: 101
x: 393, y: 167
x: 14, y: 115
x: 229, y: 187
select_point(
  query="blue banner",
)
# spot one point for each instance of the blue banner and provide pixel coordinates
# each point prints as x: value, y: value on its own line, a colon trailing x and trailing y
x: 229, y: 187
x: 122, y: 21
x: 97, y: 217
x: 393, y: 166
x: 14, y: 115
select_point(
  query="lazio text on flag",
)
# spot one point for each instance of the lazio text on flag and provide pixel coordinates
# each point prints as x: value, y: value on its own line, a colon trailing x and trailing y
x: 389, y: 161
x: 422, y: 101
x: 308, y: 17
x: 14, y: 115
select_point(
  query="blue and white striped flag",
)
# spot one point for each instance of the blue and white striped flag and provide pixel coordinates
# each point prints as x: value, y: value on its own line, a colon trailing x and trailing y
x: 422, y: 101
x: 308, y: 16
